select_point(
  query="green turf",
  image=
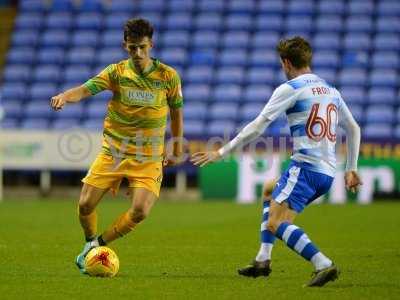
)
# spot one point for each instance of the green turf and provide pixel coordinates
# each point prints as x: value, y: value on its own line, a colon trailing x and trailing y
x: 192, y: 251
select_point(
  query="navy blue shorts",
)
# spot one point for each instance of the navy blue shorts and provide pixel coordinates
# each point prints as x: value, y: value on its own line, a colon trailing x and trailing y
x: 299, y: 186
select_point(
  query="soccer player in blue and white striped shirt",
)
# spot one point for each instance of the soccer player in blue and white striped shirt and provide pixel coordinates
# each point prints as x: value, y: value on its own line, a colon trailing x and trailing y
x: 314, y: 109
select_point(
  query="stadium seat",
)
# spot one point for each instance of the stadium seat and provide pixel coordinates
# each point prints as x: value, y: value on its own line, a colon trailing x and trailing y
x: 359, y: 24
x: 89, y: 6
x: 269, y: 23
x: 107, y: 56
x: 328, y: 74
x: 81, y: 56
x: 235, y: 39
x: 265, y: 39
x: 71, y: 111
x: 223, y: 111
x: 353, y: 95
x: 101, y: 98
x: 179, y: 38
x: 380, y: 131
x: 116, y: 21
x: 76, y: 74
x: 295, y: 22
x: 227, y: 93
x: 89, y: 21
x: 178, y: 21
x: 112, y: 38
x: 329, y: 23
x: 387, y: 42
x: 96, y: 110
x: 264, y: 58
x: 382, y: 95
x: 360, y: 7
x: 38, y: 109
x: 326, y: 41
x: 194, y: 128
x: 357, y: 41
x: 208, y: 21
x: 61, y: 5
x: 210, y: 6
x: 241, y: 7
x: 230, y: 75
x: 173, y: 56
x: 46, y: 73
x: 357, y: 112
x: 233, y: 58
x: 84, y: 38
x: 59, y: 20
x: 152, y: 6
x: 326, y: 59
x: 352, y: 77
x: 55, y: 38
x: 180, y: 6
x: 250, y: 111
x: 13, y: 91
x: 271, y: 7
x: 379, y: 114
x: 383, y: 59
x: 383, y: 78
x: 50, y: 56
x: 29, y: 21
x: 33, y: 6
x: 397, y: 132
x: 355, y: 59
x: 195, y: 110
x: 329, y: 7
x: 260, y: 76
x: 21, y: 55
x: 205, y: 39
x: 238, y: 22
x: 197, y: 93
x: 388, y: 25
x: 25, y: 38
x: 42, y: 91
x: 257, y: 93
x: 121, y: 6
x: 300, y: 7
x: 12, y: 109
x: 17, y: 73
x: 386, y: 8
x: 199, y: 74
x: 202, y: 57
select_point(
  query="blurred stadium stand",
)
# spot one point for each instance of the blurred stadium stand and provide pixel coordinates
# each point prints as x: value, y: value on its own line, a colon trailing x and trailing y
x: 224, y: 50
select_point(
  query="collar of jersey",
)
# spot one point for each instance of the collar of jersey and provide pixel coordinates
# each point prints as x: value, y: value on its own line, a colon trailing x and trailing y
x: 154, y: 66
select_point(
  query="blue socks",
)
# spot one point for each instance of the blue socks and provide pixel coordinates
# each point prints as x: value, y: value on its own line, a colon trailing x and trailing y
x: 295, y: 238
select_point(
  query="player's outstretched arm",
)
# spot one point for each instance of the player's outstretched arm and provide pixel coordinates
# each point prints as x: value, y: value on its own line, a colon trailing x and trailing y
x: 175, y: 158
x: 353, y: 137
x: 73, y: 95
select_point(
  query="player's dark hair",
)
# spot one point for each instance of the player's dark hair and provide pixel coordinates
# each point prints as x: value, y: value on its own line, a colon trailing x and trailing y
x: 138, y: 28
x: 297, y: 50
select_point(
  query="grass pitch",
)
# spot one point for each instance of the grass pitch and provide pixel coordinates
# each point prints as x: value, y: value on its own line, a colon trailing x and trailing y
x: 192, y: 251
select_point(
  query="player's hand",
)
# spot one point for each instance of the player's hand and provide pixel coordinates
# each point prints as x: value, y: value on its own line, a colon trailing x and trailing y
x: 58, y: 102
x: 203, y: 158
x: 352, y: 181
x: 172, y: 160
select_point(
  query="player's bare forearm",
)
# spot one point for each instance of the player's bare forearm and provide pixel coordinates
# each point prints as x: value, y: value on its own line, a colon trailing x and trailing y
x: 73, y: 95
x: 177, y: 131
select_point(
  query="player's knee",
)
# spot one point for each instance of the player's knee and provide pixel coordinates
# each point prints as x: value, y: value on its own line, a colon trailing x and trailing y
x: 85, y: 205
x: 272, y: 226
x: 138, y: 214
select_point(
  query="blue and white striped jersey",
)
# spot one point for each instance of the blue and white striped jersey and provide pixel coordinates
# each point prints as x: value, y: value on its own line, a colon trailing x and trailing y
x: 314, y: 109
